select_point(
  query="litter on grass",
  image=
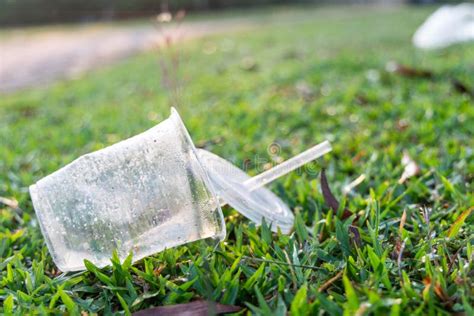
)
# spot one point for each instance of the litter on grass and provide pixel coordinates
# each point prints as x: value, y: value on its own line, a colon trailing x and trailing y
x: 450, y: 24
x: 150, y: 192
x: 411, y: 168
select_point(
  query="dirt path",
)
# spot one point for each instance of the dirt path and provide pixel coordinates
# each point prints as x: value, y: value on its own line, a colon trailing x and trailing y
x: 29, y: 59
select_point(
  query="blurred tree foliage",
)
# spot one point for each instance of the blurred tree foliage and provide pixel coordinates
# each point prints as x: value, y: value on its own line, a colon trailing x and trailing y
x: 15, y: 12
x: 21, y: 12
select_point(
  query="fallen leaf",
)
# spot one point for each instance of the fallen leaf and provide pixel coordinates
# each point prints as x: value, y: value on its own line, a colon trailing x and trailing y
x: 402, y: 125
x: 454, y: 230
x: 329, y: 197
x: 407, y: 71
x: 195, y: 308
x: 334, y: 205
x: 411, y: 168
x: 410, y: 72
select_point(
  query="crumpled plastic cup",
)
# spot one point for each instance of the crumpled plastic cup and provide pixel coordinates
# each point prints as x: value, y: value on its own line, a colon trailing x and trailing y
x: 151, y: 192
x: 141, y: 195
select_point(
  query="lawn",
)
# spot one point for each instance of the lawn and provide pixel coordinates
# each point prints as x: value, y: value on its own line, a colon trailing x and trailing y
x: 304, y: 75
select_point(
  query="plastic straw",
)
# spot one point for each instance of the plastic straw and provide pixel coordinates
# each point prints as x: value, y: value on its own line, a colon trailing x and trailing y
x: 288, y: 166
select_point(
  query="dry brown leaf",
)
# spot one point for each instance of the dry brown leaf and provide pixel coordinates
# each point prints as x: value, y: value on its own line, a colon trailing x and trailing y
x: 411, y: 72
x: 195, y: 308
x: 334, y: 205
x: 402, y: 125
x: 329, y: 197
x: 407, y: 71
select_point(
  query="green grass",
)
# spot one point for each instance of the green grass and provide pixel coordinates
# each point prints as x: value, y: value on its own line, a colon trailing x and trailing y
x: 237, y: 101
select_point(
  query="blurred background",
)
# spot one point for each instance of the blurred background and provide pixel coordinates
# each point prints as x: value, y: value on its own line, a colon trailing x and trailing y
x: 24, y: 12
x: 44, y: 40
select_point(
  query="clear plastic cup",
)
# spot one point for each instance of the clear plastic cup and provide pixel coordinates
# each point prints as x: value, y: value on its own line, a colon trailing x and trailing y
x: 141, y: 195
x: 449, y: 25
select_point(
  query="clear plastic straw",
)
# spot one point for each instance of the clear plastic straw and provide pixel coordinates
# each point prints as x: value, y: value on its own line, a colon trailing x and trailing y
x: 288, y: 166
